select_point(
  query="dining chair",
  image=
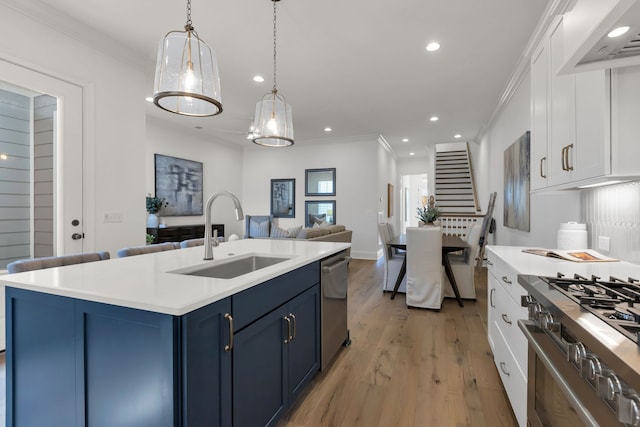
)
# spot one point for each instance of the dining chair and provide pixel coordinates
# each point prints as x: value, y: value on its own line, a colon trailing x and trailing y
x: 190, y: 243
x: 55, y: 261
x: 425, y: 286
x: 463, y: 266
x: 148, y: 249
x: 392, y: 262
x: 393, y: 235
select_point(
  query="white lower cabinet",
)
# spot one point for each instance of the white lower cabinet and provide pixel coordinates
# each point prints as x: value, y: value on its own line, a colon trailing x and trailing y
x: 507, y: 342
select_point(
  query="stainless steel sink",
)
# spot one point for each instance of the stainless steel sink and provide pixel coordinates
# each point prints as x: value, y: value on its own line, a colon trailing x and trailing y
x: 234, y: 268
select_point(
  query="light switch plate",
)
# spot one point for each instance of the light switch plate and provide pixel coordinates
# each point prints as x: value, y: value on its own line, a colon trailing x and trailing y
x: 113, y: 217
x: 604, y: 243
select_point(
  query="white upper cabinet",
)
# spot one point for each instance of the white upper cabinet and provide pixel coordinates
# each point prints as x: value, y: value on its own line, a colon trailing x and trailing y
x: 570, y: 118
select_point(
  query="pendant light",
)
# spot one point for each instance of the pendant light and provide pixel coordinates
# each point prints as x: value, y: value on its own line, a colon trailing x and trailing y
x: 273, y: 126
x: 187, y: 80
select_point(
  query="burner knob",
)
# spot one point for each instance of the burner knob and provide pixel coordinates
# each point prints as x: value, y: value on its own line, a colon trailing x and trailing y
x: 590, y: 368
x: 535, y: 310
x: 548, y: 323
x: 629, y: 410
x: 575, y: 353
x: 609, y: 386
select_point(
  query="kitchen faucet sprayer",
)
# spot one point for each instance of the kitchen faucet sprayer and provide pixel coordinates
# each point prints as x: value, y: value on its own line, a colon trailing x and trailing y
x: 208, y: 243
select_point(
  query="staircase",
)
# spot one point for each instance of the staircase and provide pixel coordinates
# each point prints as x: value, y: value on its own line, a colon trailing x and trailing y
x: 455, y: 188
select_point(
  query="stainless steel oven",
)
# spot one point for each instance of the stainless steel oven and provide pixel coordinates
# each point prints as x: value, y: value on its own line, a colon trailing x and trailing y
x: 582, y: 371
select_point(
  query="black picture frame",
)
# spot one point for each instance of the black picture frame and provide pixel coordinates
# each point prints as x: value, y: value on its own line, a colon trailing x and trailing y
x: 179, y: 181
x: 283, y: 198
x: 319, y: 209
x: 313, y: 178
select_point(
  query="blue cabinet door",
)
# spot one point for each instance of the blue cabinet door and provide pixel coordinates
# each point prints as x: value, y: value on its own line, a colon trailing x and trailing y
x: 206, y: 366
x: 304, y: 349
x: 259, y: 374
x: 129, y: 371
x: 41, y: 362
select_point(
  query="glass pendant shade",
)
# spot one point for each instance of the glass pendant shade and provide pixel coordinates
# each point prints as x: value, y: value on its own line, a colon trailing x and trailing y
x: 187, y: 80
x: 273, y: 125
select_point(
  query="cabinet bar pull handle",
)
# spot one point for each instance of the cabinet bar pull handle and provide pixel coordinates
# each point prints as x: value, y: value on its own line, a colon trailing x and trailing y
x: 506, y: 280
x: 491, y: 298
x: 564, y: 164
x: 569, y: 167
x: 542, y: 160
x: 293, y: 317
x: 286, y: 341
x: 506, y: 320
x: 504, y: 371
x: 229, y: 346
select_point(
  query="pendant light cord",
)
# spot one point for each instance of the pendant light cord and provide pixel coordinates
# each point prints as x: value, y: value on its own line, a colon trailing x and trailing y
x: 188, y: 26
x: 274, y: 46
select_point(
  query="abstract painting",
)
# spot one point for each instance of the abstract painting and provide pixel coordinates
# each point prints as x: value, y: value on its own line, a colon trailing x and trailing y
x: 516, y: 184
x: 179, y: 181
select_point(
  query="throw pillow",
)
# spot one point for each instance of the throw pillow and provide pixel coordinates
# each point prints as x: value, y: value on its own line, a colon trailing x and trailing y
x: 281, y: 233
x: 259, y: 229
x: 317, y: 219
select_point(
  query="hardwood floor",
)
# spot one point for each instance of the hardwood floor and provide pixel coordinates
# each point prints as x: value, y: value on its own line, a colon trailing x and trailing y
x: 407, y: 367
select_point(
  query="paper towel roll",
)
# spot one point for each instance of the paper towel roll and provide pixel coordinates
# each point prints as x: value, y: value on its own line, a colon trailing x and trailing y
x: 572, y: 235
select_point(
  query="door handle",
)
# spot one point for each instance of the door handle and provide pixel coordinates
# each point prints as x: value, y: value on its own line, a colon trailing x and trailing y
x: 77, y: 236
x: 502, y: 368
x: 506, y: 320
x: 288, y: 320
x: 506, y: 280
x: 293, y: 317
x: 229, y: 346
x: 542, y: 160
x: 569, y: 166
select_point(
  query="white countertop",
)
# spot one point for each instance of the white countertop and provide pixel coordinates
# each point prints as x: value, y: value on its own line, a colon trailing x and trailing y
x: 525, y: 263
x: 144, y: 281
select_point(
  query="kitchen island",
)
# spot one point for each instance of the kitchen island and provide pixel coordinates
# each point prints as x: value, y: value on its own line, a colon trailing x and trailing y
x: 139, y: 341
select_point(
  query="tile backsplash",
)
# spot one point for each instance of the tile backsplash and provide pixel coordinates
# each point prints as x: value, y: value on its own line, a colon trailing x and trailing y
x: 614, y: 212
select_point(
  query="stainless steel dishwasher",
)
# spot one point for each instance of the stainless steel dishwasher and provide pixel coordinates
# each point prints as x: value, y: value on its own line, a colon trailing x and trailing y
x: 333, y: 306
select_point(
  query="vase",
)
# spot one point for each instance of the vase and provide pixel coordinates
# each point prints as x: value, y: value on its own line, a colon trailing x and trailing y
x: 152, y: 220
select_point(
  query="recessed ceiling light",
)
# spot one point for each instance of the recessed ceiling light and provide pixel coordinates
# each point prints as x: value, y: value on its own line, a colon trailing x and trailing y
x: 617, y: 32
x: 405, y: 139
x: 327, y: 129
x: 412, y: 154
x: 149, y: 99
x: 434, y: 118
x: 433, y: 46
x: 258, y: 79
x: 457, y: 136
x: 198, y: 127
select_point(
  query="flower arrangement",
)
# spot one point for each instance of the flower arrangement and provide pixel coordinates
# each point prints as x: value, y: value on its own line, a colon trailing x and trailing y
x: 429, y: 212
x: 156, y: 204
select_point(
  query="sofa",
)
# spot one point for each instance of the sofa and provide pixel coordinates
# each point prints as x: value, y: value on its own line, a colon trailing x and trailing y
x: 262, y: 226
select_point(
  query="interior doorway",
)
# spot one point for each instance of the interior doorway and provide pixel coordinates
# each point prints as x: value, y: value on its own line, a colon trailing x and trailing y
x: 414, y: 189
x: 41, y: 160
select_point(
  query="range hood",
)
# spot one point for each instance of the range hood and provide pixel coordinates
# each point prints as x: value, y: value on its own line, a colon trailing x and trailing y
x: 586, y: 26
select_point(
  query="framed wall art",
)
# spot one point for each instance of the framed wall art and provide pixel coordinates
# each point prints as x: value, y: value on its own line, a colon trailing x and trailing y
x: 179, y: 181
x: 283, y: 198
x: 320, y: 182
x: 389, y: 200
x: 319, y: 212
x: 516, y: 184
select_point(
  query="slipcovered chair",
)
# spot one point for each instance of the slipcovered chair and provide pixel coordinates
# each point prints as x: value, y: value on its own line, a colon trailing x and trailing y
x: 425, y: 285
x: 393, y: 235
x: 392, y: 262
x: 148, y: 249
x: 192, y: 242
x: 463, y: 266
x: 55, y: 261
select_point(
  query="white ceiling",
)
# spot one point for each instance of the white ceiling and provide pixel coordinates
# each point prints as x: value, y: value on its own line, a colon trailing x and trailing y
x: 358, y: 66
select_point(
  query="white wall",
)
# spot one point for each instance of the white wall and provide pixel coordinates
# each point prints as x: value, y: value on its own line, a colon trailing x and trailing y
x: 113, y: 128
x: 355, y: 160
x: 222, y: 170
x: 547, y: 210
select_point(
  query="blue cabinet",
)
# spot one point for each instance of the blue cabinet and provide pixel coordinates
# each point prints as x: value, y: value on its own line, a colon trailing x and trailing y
x: 88, y: 364
x: 274, y: 358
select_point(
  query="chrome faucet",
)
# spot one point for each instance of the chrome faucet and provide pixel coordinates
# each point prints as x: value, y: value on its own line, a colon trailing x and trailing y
x: 208, y: 242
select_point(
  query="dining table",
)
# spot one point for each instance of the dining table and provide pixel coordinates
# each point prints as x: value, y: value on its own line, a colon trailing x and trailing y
x: 450, y: 243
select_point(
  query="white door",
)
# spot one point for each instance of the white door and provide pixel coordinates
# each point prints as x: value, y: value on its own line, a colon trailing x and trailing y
x: 67, y: 221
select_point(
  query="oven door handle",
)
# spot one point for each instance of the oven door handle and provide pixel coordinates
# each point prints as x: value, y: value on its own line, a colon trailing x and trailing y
x: 528, y: 329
